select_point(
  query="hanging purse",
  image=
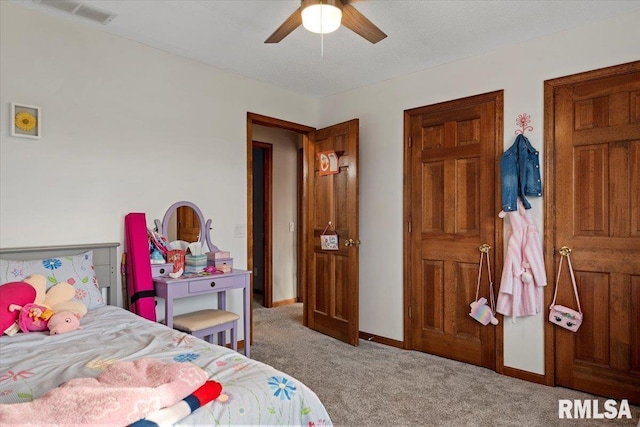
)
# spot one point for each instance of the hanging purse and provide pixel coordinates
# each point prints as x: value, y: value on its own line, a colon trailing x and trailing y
x: 329, y: 242
x: 479, y: 308
x: 560, y: 315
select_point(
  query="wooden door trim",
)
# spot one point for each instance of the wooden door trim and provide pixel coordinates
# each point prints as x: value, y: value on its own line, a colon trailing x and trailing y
x: 267, y: 295
x: 550, y: 86
x: 498, y: 98
x: 258, y: 119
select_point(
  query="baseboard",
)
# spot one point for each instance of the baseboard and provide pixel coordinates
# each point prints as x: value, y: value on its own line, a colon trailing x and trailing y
x: 284, y: 302
x: 524, y: 375
x: 381, y: 340
x: 510, y: 372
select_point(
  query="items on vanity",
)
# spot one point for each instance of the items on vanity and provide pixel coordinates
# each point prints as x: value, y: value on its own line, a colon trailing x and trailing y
x: 221, y: 260
x: 195, y: 259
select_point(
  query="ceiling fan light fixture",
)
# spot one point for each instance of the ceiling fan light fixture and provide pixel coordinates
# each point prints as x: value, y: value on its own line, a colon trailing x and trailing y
x: 321, y: 17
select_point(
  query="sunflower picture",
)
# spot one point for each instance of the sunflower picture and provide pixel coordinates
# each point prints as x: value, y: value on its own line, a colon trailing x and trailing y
x: 26, y: 121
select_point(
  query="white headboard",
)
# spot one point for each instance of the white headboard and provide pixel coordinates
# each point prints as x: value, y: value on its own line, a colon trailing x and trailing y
x: 104, y: 261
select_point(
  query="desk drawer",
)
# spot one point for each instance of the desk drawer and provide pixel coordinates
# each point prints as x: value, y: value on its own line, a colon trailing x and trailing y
x: 158, y: 270
x: 215, y: 282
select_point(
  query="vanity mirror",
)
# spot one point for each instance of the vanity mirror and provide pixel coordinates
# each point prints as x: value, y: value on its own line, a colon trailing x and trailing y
x: 184, y: 221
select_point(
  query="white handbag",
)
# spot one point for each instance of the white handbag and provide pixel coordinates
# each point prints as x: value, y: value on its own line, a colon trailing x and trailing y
x: 479, y: 309
x: 560, y: 315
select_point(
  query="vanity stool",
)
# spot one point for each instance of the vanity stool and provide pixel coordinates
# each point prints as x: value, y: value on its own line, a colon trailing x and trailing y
x: 204, y: 323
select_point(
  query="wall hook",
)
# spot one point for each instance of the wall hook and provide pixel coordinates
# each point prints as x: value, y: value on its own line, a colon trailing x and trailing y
x: 523, y: 121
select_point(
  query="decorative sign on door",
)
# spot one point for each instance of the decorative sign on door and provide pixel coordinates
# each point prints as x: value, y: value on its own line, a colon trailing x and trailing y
x: 329, y: 242
x: 328, y: 163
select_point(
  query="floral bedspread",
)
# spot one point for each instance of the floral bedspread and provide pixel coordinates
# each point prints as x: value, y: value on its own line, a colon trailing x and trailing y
x: 253, y: 393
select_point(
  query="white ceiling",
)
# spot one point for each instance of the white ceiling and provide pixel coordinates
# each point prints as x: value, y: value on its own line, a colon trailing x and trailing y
x: 421, y: 34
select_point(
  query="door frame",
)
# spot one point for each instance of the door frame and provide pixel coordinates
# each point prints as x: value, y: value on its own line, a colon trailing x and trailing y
x: 267, y: 216
x: 498, y: 98
x: 550, y: 87
x: 258, y: 119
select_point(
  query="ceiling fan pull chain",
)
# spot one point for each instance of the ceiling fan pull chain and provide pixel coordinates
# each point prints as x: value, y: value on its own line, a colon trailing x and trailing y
x: 321, y: 32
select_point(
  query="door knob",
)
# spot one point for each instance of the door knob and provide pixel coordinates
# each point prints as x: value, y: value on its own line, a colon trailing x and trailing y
x: 351, y: 242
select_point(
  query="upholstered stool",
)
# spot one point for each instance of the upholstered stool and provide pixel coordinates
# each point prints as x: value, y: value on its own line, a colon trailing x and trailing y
x: 204, y: 323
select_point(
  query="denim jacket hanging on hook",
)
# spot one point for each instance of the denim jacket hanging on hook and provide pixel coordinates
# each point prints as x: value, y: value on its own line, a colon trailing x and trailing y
x: 520, y: 174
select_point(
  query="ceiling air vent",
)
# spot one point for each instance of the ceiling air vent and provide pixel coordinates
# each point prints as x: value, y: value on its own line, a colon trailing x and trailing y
x: 79, y: 9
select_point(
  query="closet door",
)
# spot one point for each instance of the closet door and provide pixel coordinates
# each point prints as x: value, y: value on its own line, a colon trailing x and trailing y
x: 597, y: 214
x: 451, y: 209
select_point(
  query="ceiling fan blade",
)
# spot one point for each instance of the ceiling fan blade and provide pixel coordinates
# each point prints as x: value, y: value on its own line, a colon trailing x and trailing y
x: 359, y: 24
x: 292, y: 22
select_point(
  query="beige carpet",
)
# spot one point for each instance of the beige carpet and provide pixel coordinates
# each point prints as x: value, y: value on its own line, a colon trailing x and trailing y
x: 378, y: 385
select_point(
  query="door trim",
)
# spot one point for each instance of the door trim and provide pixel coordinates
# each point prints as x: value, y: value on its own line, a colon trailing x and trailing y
x: 267, y: 215
x: 258, y: 119
x: 550, y: 87
x: 498, y: 98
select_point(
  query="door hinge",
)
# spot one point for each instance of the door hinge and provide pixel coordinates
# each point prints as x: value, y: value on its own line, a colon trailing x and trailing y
x: 409, y: 226
x: 409, y: 312
x: 410, y: 142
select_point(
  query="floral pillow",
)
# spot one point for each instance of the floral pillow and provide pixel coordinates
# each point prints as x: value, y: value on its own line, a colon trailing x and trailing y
x: 77, y: 270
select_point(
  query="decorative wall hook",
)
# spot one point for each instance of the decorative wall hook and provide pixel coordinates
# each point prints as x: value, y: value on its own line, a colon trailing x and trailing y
x: 523, y: 121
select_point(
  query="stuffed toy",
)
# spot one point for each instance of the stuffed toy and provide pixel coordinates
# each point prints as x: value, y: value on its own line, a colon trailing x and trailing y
x: 51, y: 310
x: 14, y: 293
x: 63, y: 321
x: 482, y: 312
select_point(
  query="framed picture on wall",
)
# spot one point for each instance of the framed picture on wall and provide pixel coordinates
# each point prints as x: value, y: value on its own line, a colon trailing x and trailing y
x: 26, y: 121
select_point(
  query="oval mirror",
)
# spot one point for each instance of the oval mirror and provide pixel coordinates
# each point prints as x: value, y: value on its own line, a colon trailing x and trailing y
x: 184, y: 221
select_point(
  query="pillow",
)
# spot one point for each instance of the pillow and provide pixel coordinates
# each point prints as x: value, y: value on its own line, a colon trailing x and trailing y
x: 19, y: 293
x: 77, y: 270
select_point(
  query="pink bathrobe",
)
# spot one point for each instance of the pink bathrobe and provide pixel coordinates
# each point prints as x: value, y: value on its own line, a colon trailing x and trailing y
x: 523, y: 273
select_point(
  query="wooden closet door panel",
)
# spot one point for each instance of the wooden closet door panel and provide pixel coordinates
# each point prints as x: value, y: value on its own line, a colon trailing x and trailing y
x: 452, y: 209
x: 597, y: 139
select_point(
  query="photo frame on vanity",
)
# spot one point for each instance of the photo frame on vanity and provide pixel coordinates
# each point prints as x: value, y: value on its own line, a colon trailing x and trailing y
x: 26, y: 121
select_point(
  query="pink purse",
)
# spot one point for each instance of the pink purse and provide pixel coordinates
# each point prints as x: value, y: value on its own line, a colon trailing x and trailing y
x: 560, y: 315
x: 480, y: 311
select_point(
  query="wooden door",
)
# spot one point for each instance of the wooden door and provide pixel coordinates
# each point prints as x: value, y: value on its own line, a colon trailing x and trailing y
x: 188, y: 225
x: 595, y: 143
x: 331, y: 302
x: 452, y: 169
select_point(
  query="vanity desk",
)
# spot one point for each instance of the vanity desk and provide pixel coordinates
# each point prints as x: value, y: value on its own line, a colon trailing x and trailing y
x: 194, y: 285
x: 201, y: 285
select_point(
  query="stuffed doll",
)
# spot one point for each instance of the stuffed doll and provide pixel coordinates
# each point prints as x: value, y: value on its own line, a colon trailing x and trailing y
x: 63, y: 321
x: 14, y: 293
x: 52, y: 308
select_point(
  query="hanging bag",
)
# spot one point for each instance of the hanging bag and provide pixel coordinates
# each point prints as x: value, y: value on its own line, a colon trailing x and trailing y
x: 560, y: 315
x: 479, y: 308
x: 329, y: 242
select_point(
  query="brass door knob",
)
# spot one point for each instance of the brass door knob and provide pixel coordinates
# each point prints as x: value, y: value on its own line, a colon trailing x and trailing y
x: 351, y: 242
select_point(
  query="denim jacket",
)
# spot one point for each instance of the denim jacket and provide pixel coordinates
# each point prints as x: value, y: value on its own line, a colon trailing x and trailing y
x: 520, y: 174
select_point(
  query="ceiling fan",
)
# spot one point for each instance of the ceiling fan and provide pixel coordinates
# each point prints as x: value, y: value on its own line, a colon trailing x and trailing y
x: 325, y: 16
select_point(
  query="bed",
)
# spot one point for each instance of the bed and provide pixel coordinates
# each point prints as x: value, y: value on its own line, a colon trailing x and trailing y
x: 32, y: 364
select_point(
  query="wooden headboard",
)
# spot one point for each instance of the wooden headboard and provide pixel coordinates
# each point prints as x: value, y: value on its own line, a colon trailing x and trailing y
x: 104, y: 261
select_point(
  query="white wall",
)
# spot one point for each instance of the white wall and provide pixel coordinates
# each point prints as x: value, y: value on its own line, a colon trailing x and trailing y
x: 285, y: 160
x: 126, y: 128
x: 519, y: 70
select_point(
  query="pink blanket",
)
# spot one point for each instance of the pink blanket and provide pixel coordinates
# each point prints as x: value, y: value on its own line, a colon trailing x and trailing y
x: 125, y: 392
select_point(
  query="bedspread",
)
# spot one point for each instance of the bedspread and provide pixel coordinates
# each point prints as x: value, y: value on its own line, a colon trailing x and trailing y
x: 253, y: 393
